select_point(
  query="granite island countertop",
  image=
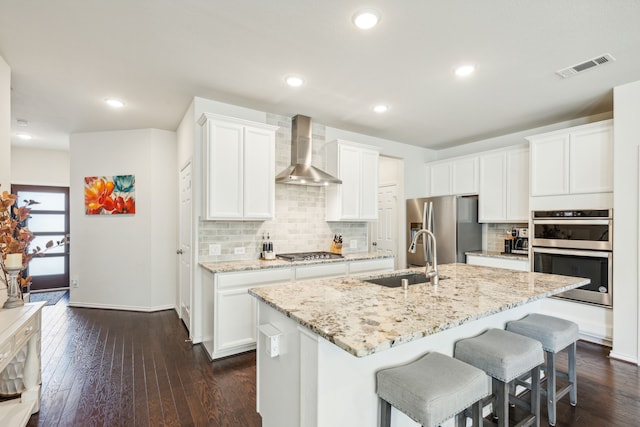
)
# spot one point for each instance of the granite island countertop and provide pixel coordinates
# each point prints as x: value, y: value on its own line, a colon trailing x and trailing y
x: 364, y: 318
x: 259, y: 264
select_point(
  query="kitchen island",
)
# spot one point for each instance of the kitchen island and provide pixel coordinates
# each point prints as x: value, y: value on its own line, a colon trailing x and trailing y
x: 321, y: 341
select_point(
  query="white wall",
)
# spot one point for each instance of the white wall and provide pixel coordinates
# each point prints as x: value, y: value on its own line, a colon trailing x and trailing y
x: 5, y: 138
x: 626, y: 129
x: 5, y: 126
x: 39, y: 167
x: 125, y: 261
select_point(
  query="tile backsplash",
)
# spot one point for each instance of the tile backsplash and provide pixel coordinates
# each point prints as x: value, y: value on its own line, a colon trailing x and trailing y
x: 497, y: 233
x: 299, y: 224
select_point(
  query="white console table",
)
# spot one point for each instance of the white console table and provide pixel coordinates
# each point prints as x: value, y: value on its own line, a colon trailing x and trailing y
x: 21, y: 327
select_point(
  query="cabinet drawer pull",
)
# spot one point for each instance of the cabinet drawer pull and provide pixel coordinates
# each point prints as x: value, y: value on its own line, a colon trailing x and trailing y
x: 3, y: 356
x: 28, y: 330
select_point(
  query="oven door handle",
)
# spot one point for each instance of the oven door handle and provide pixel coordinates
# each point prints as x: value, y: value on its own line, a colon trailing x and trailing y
x: 574, y: 252
x: 572, y: 222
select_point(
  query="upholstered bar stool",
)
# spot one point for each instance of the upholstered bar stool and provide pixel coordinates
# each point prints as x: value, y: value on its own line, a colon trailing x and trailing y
x: 555, y: 335
x: 432, y: 390
x: 505, y: 356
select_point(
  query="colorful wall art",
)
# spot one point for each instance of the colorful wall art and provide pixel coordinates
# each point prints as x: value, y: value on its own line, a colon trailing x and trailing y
x: 109, y: 195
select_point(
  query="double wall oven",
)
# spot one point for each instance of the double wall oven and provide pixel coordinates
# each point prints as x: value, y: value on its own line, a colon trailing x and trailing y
x: 576, y: 243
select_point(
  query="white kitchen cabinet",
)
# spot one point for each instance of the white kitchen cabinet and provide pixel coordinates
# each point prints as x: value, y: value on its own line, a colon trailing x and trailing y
x: 234, y: 310
x: 504, y: 186
x: 457, y: 176
x: 520, y: 264
x: 239, y: 168
x: 577, y: 160
x: 230, y: 312
x: 356, y: 199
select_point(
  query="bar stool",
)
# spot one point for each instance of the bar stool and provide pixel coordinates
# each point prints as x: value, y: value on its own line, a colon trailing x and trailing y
x: 505, y: 356
x: 555, y: 335
x: 431, y: 390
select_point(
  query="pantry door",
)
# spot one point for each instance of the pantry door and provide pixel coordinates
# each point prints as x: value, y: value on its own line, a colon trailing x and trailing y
x: 49, y: 221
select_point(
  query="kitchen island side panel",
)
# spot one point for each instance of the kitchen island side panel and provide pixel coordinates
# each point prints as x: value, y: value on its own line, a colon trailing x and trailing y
x: 317, y: 384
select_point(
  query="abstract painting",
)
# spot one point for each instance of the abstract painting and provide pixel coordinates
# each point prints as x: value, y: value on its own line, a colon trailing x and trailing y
x: 109, y: 195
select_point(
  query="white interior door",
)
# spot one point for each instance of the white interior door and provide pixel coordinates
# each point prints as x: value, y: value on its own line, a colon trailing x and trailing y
x: 184, y: 252
x: 385, y: 235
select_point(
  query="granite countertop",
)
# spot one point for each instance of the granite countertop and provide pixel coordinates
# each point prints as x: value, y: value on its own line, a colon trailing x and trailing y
x: 492, y: 254
x: 364, y: 318
x: 259, y: 264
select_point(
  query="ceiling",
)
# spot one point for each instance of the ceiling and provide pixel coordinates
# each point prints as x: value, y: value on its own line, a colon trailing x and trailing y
x: 67, y: 56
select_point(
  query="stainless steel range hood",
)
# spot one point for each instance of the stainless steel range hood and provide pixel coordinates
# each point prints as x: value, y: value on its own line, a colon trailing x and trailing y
x: 301, y: 172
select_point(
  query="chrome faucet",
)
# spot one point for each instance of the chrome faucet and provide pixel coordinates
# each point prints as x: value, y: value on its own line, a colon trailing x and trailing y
x: 431, y: 269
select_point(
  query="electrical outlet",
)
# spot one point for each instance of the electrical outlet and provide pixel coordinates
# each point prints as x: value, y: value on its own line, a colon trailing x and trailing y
x: 239, y: 251
x: 74, y: 283
x: 214, y: 249
x: 353, y: 244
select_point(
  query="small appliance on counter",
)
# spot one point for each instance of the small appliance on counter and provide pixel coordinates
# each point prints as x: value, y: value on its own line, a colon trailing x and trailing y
x: 521, y: 241
x: 267, y: 249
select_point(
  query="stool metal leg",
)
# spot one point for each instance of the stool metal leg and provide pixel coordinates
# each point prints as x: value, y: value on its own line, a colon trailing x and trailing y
x: 551, y: 387
x: 385, y: 413
x: 476, y: 412
x: 461, y: 420
x: 573, y: 393
x: 501, y: 404
x: 535, y: 394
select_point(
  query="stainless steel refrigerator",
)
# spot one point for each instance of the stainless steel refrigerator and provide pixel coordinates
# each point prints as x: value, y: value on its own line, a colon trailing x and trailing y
x: 454, y: 222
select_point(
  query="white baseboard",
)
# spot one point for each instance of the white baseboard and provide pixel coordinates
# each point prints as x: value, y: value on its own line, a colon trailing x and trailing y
x: 623, y: 357
x: 121, y: 307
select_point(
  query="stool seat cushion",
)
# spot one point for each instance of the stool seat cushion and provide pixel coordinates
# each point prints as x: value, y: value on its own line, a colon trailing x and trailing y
x: 555, y: 334
x: 432, y: 389
x: 502, y: 354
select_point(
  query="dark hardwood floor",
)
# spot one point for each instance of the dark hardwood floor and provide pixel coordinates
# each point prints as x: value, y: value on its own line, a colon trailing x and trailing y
x: 114, y: 368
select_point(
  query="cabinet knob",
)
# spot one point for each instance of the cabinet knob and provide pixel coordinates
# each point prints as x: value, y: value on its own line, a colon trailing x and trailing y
x: 374, y: 244
x: 179, y: 251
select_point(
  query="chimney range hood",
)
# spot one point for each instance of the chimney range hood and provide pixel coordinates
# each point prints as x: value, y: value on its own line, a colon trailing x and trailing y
x: 301, y: 172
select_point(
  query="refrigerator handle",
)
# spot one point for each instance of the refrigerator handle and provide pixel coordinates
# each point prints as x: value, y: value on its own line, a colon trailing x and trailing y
x: 424, y: 215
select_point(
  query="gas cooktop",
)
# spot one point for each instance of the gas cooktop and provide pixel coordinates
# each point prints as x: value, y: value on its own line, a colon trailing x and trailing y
x: 309, y: 256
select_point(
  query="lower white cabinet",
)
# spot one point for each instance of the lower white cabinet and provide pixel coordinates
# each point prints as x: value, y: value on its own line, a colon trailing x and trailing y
x: 230, y: 312
x: 365, y: 266
x: 499, y: 262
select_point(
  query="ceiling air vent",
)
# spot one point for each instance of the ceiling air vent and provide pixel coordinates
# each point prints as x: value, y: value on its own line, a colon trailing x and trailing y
x: 587, y: 65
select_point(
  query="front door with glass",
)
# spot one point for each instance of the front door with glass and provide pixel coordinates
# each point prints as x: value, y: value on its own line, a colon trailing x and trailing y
x: 49, y: 221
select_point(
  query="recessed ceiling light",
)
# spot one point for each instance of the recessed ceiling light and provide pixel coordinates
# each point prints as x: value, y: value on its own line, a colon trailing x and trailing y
x: 115, y: 103
x: 366, y: 19
x: 381, y: 108
x: 24, y: 136
x: 294, y: 81
x: 465, y: 70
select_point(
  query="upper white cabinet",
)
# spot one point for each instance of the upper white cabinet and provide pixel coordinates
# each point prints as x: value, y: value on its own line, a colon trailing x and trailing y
x: 577, y: 160
x: 239, y: 168
x: 356, y: 199
x: 457, y: 176
x: 504, y: 186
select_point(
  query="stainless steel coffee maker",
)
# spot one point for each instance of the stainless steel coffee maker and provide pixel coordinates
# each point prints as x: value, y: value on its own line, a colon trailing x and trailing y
x: 521, y: 241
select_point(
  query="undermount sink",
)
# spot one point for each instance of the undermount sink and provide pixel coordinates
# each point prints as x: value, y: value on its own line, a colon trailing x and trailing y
x: 396, y: 281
